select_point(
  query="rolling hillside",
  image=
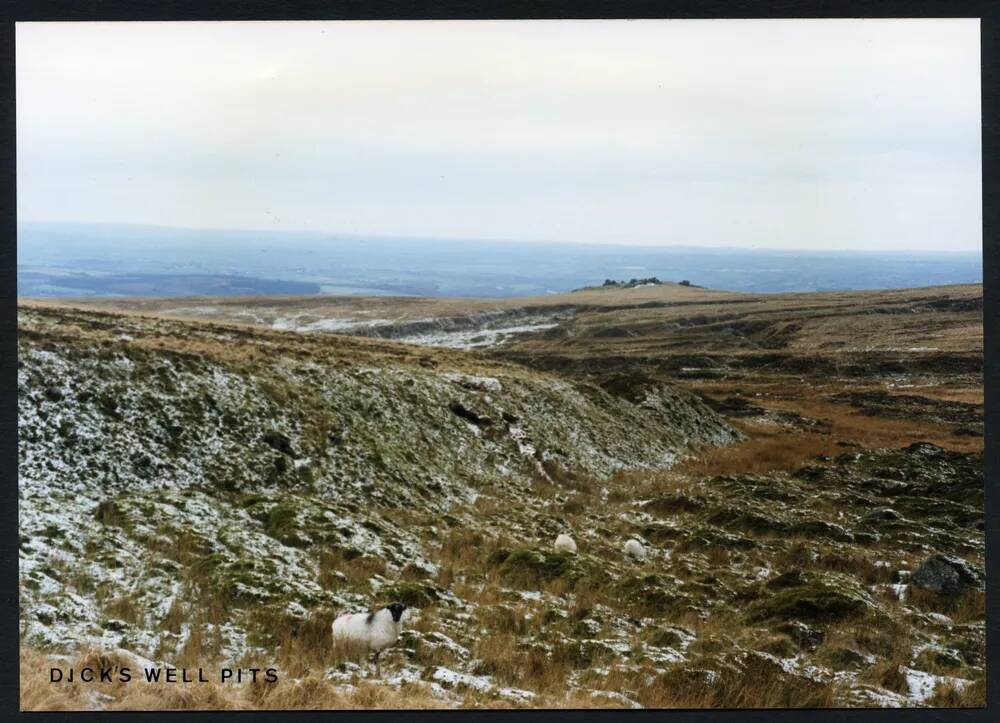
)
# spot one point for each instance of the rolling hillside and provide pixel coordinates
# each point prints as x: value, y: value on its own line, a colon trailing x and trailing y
x: 209, y: 481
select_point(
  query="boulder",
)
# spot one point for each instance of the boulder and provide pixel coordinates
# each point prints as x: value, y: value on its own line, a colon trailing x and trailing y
x: 882, y: 514
x: 947, y: 574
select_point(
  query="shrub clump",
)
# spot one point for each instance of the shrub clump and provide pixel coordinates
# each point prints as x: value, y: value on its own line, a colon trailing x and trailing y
x: 529, y: 567
x: 648, y: 595
x: 812, y: 597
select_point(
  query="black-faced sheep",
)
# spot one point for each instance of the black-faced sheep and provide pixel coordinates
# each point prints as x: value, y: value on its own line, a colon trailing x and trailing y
x: 372, y: 632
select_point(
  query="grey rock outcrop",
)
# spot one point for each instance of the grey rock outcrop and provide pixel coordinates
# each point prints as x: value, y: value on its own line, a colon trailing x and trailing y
x: 947, y: 575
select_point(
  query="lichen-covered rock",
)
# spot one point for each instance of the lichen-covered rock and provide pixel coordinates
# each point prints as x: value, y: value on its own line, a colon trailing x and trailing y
x: 947, y: 574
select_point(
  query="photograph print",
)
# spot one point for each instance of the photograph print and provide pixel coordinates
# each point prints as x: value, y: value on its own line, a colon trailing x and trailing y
x: 530, y: 364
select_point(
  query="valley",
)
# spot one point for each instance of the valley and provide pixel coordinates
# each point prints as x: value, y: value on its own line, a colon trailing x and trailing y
x: 211, y: 480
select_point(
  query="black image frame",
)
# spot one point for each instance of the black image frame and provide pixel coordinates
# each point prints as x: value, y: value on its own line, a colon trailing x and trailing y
x: 12, y: 11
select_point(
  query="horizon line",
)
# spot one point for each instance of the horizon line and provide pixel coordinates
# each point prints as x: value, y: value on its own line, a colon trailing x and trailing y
x: 489, y: 239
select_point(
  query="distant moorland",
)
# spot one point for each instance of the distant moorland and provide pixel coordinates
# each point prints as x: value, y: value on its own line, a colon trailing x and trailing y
x: 122, y: 260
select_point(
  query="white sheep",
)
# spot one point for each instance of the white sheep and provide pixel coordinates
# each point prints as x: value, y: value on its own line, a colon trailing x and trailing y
x: 371, y: 632
x: 635, y: 550
x: 564, y: 543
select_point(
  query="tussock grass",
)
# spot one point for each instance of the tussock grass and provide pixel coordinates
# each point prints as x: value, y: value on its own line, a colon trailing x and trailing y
x: 761, y: 684
x: 310, y: 692
x: 766, y: 450
x: 704, y: 576
x: 964, y: 608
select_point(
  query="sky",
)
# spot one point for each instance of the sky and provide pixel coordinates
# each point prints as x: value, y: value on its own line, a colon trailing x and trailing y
x: 811, y: 134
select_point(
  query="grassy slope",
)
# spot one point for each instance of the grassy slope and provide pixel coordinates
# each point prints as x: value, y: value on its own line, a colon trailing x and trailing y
x: 771, y: 588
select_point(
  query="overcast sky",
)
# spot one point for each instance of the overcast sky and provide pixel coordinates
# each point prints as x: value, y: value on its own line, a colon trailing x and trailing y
x: 795, y: 134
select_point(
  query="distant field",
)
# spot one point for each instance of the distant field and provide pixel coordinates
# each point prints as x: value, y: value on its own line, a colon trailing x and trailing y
x: 657, y: 320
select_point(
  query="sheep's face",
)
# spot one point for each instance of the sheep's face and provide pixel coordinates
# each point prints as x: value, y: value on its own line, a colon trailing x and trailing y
x: 397, y: 610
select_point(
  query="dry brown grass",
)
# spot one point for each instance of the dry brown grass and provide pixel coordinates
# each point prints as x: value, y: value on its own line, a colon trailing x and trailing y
x: 235, y: 345
x: 856, y: 563
x: 303, y: 648
x: 964, y: 608
x: 889, y: 674
x: 969, y: 696
x: 778, y: 448
x: 872, y: 432
x: 760, y: 684
x: 502, y: 655
x: 767, y: 449
x: 358, y: 569
x: 890, y: 643
x: 310, y: 692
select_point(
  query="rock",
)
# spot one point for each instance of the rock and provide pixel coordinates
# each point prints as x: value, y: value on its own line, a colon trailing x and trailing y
x: 881, y: 514
x: 821, y: 528
x: 936, y: 657
x: 587, y: 628
x: 947, y: 575
x: 794, y: 578
x: 811, y: 473
x: 670, y: 637
x: 53, y: 394
x: 460, y: 410
x: 554, y: 615
x: 887, y: 487
x: 734, y: 406
x: 843, y: 658
x: 279, y: 442
x: 924, y: 449
x: 801, y: 634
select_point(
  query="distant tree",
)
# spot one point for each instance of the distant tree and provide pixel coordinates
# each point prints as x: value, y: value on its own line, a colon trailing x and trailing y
x: 685, y: 282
